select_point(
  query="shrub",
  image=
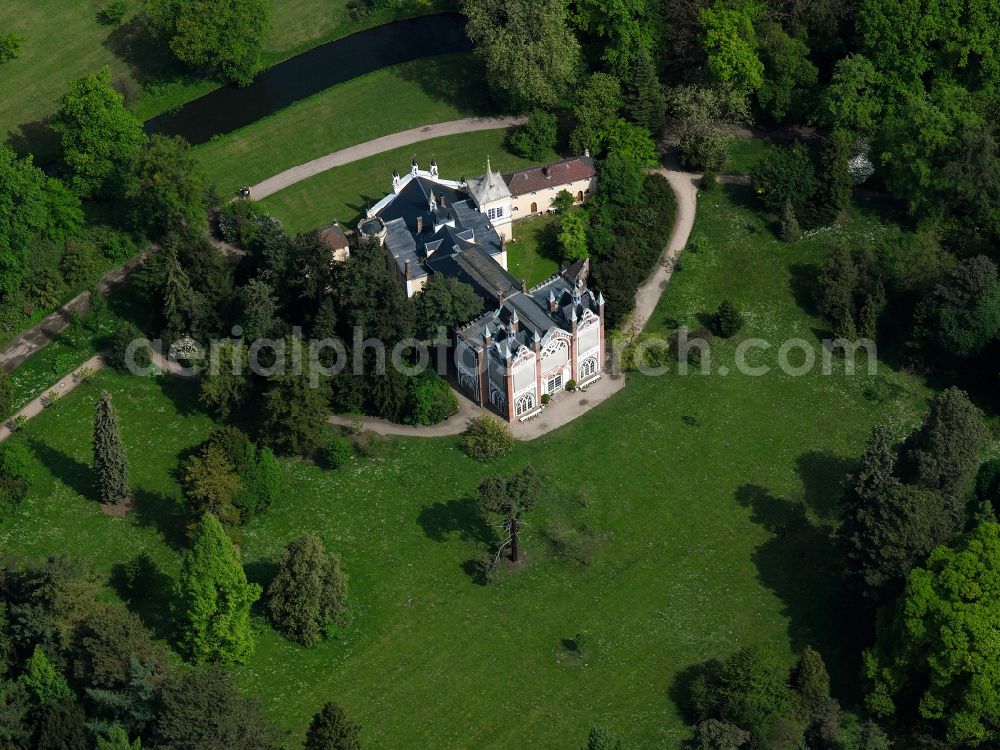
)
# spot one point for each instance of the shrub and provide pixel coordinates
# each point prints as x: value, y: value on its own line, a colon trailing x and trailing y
x: 10, y: 46
x: 429, y: 399
x: 487, y: 438
x: 338, y: 452
x: 15, y: 462
x: 571, y: 385
x: 261, y: 483
x: 118, y: 346
x: 546, y: 398
x: 113, y: 13
x: 536, y: 137
x: 785, y: 174
x: 6, y: 394
x: 727, y: 320
x: 235, y: 445
x: 790, y: 230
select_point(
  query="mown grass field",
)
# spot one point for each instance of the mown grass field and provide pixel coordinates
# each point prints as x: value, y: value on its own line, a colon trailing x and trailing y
x: 534, y: 254
x: 64, y: 40
x: 397, y: 98
x: 346, y: 192
x: 703, y: 502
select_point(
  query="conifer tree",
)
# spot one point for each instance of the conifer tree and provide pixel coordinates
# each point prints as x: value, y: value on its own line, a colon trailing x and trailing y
x: 110, y: 461
x: 811, y: 680
x: 330, y: 729
x: 790, y: 229
x: 182, y: 305
x: 644, y: 96
x: 214, y: 598
x: 309, y: 591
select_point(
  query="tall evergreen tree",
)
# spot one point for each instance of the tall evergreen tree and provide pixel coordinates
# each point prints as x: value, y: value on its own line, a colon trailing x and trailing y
x: 214, y: 598
x: 61, y: 727
x: 309, y: 591
x: 182, y: 305
x: 110, y: 461
x: 330, y: 729
x: 645, y: 100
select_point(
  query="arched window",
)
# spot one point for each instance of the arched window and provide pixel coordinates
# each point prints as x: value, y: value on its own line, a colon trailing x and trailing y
x: 498, y: 399
x: 534, y: 208
x: 524, y: 404
x: 468, y: 382
x: 588, y: 367
x: 579, y: 196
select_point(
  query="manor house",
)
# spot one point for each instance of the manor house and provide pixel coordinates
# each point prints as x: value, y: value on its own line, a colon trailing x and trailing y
x: 531, y: 342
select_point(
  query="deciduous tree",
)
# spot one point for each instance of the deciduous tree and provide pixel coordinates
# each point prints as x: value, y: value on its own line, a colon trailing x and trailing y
x: 941, y: 642
x: 531, y: 55
x: 222, y: 37
x: 99, y: 136
x: 165, y: 188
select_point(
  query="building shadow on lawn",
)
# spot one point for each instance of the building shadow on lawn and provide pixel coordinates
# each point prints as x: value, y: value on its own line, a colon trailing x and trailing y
x: 156, y: 510
x: 799, y: 564
x: 74, y: 474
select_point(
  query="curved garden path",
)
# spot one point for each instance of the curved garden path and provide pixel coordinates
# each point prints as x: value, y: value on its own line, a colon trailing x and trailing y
x: 280, y: 181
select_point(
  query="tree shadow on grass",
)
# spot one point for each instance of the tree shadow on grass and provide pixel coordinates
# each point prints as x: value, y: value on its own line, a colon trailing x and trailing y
x: 36, y: 139
x: 261, y: 572
x: 147, y: 58
x: 454, y: 79
x: 156, y: 510
x: 458, y: 518
x: 799, y: 564
x: 804, y: 283
x: 74, y: 474
x: 148, y: 592
x: 823, y: 478
x: 182, y: 393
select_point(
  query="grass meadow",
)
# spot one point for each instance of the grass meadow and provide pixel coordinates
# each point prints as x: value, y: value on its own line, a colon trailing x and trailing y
x: 396, y: 98
x: 683, y: 518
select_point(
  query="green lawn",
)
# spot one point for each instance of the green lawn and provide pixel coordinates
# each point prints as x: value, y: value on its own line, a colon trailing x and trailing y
x: 708, y: 498
x: 346, y: 192
x: 744, y: 155
x: 63, y: 41
x: 405, y: 96
x: 534, y: 254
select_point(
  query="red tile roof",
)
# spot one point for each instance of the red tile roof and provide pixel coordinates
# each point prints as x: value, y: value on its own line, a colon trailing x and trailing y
x: 561, y: 173
x: 334, y: 237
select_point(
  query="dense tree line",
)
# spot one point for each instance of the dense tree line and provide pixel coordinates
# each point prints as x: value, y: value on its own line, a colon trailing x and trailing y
x: 79, y: 672
x: 114, y: 190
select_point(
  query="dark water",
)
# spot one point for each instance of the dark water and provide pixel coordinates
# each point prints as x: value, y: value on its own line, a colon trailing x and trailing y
x: 232, y: 107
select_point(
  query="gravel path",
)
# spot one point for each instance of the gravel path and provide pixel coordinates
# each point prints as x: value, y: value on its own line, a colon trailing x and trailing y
x: 280, y: 181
